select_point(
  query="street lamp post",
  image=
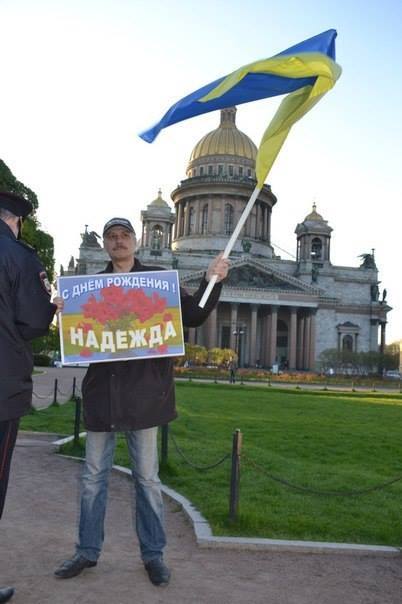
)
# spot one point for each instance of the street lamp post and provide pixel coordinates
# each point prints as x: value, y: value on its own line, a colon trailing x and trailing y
x: 238, y: 332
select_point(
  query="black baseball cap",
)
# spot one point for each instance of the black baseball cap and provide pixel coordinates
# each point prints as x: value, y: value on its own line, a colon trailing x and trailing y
x: 17, y: 205
x: 123, y: 222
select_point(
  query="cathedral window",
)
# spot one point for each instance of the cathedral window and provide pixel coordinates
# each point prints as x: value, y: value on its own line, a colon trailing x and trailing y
x: 347, y: 343
x: 230, y: 170
x: 220, y: 169
x: 210, y: 170
x: 181, y: 223
x: 240, y: 170
x: 191, y: 221
x: 228, y: 226
x: 195, y: 172
x: 204, y: 220
x: 249, y: 173
x: 202, y: 171
x: 157, y: 238
x: 316, y: 248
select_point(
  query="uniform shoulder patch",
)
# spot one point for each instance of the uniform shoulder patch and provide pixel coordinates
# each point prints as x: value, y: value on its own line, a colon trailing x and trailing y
x: 45, y: 282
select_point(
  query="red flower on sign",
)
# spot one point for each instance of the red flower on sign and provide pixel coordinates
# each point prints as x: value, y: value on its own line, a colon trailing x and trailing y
x: 85, y: 327
x: 162, y: 349
x: 85, y: 352
x: 118, y: 308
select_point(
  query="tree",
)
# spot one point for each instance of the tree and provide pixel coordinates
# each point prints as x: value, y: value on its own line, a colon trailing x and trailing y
x: 32, y: 234
x: 48, y: 344
x: 221, y: 356
x: 195, y: 354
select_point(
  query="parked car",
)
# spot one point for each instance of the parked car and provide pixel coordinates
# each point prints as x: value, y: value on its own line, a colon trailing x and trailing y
x: 394, y: 374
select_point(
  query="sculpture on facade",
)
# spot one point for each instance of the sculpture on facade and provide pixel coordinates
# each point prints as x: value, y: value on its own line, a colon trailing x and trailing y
x: 367, y: 260
x: 90, y: 239
x: 246, y: 245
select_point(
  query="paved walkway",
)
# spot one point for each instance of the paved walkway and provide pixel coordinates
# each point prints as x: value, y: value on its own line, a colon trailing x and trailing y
x: 38, y: 530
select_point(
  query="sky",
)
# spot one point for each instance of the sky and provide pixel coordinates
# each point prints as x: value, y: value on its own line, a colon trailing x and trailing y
x: 81, y: 78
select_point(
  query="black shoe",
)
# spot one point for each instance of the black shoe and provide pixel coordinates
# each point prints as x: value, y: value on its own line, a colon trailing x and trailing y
x: 73, y: 567
x: 6, y: 593
x: 158, y: 572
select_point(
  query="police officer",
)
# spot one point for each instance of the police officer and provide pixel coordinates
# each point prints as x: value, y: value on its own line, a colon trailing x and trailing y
x: 25, y: 313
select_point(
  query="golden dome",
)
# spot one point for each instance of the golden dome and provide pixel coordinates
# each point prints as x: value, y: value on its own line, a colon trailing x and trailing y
x: 225, y: 140
x: 159, y: 202
x: 314, y: 215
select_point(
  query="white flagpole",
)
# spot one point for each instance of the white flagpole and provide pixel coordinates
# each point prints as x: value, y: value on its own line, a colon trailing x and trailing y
x: 231, y: 242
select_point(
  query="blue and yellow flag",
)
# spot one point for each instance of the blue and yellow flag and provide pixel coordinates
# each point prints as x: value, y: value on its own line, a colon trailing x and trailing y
x: 305, y: 72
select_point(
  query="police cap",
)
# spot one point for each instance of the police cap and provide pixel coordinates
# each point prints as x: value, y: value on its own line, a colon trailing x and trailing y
x: 15, y: 204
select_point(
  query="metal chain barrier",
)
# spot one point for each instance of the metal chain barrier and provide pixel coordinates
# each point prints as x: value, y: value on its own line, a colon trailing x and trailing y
x: 43, y: 396
x: 64, y: 393
x: 56, y: 390
x: 286, y: 483
x: 193, y: 465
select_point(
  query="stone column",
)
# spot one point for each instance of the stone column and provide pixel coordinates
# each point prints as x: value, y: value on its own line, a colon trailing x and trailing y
x: 383, y: 334
x: 269, y: 225
x: 273, y: 335
x: 212, y: 329
x: 178, y: 220
x: 374, y: 335
x: 300, y: 344
x: 253, y: 335
x: 198, y: 218
x: 256, y: 220
x: 265, y: 233
x: 312, y: 339
x: 265, y: 339
x: 292, y: 337
x: 234, y: 307
x: 186, y: 210
x: 306, y: 355
x: 192, y: 335
x: 209, y: 222
x: 219, y: 226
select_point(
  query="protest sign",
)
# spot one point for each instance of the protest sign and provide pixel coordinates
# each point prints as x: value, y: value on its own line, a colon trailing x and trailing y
x: 120, y: 316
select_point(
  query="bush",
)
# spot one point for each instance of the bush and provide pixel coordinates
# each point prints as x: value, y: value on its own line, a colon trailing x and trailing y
x: 42, y: 360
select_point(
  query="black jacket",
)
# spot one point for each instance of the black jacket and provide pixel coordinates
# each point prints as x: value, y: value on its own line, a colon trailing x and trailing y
x: 25, y: 313
x: 138, y: 394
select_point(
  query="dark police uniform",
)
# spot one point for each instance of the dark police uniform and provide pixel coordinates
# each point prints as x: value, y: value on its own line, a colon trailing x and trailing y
x: 25, y: 313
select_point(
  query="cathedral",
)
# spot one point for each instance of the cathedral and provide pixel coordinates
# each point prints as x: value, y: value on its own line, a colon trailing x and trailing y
x: 274, y: 312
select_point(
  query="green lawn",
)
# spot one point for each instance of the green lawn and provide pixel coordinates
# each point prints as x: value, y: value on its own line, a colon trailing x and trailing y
x: 326, y: 441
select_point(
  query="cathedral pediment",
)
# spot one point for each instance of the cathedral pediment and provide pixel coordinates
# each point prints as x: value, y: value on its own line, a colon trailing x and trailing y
x: 251, y: 277
x: 254, y: 275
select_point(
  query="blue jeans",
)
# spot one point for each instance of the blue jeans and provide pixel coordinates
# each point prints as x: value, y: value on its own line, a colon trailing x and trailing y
x: 148, y: 517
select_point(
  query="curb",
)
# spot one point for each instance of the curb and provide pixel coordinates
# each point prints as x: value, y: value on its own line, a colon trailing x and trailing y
x: 206, y: 539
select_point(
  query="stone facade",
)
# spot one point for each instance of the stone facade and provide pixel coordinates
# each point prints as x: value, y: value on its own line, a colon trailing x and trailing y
x: 271, y: 310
